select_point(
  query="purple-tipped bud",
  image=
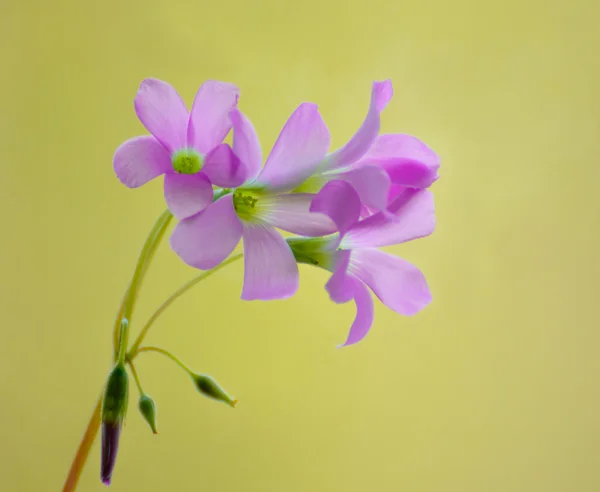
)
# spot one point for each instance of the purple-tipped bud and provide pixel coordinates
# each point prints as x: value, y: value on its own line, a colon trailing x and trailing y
x: 114, y: 408
x: 110, y: 446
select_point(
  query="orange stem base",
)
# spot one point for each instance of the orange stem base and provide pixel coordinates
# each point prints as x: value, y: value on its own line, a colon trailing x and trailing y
x: 84, y: 449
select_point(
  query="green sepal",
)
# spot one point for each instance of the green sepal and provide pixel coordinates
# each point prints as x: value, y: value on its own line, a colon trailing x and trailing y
x: 116, y: 395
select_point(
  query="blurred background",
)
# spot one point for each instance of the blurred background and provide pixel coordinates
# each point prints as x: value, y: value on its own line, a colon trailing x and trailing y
x: 493, y: 388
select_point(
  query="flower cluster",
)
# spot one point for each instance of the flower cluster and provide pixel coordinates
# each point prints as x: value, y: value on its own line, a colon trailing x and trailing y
x: 342, y: 205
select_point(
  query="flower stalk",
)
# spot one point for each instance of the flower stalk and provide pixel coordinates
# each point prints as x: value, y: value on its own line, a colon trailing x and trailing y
x: 144, y: 260
x: 127, y: 306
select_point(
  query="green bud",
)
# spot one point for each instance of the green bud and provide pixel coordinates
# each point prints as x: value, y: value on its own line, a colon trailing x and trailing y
x: 209, y: 387
x: 148, y: 411
x: 114, y: 408
x: 114, y: 402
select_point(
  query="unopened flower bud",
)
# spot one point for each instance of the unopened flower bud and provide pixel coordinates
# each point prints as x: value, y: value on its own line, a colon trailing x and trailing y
x: 148, y: 411
x: 209, y: 387
x: 114, y: 408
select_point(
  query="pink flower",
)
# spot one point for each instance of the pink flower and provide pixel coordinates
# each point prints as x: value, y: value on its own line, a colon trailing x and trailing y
x: 377, y: 166
x: 184, y: 146
x: 356, y: 263
x: 252, y: 212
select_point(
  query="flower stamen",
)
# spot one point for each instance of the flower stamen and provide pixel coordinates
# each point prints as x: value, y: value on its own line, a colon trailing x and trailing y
x: 246, y: 204
x: 187, y: 161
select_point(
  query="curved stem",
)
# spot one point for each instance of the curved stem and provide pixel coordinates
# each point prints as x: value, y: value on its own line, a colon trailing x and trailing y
x: 123, y: 337
x: 146, y: 255
x: 168, y: 354
x: 136, y: 378
x: 84, y: 449
x: 125, y: 311
x: 184, y: 288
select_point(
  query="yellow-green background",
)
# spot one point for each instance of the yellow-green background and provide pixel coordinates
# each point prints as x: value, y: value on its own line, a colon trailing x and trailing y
x: 493, y: 388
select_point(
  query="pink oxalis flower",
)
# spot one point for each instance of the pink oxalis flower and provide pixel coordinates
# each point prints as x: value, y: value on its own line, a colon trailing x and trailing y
x: 356, y: 263
x: 185, y: 147
x: 253, y: 211
x: 379, y: 167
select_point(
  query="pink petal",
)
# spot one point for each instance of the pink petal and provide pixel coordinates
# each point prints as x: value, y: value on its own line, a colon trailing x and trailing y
x: 364, y: 314
x: 187, y: 194
x: 270, y: 270
x: 140, y: 159
x: 372, y: 184
x: 408, y: 161
x: 340, y: 285
x: 162, y: 111
x: 209, y: 119
x: 301, y: 146
x: 292, y: 213
x: 339, y: 201
x: 394, y: 192
x: 381, y: 93
x: 223, y: 168
x: 246, y: 145
x: 415, y: 218
x: 205, y: 240
x: 398, y: 284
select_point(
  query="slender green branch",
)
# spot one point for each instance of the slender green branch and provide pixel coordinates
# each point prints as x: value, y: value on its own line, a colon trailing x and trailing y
x: 168, y: 354
x: 146, y: 255
x: 136, y: 378
x: 123, y: 337
x: 184, y: 288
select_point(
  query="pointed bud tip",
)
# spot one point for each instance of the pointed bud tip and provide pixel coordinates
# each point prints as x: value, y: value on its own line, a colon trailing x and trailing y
x: 209, y: 387
x: 233, y: 403
x: 148, y: 410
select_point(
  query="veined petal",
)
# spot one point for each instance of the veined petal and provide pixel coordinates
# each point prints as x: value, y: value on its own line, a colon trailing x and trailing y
x: 408, y: 161
x: 372, y: 184
x: 162, y: 111
x: 339, y: 201
x: 139, y: 160
x: 340, y: 285
x: 292, y: 213
x: 187, y: 194
x: 415, y: 218
x: 364, y: 314
x: 270, y: 270
x: 246, y: 145
x: 398, y: 284
x: 206, y: 239
x: 359, y: 144
x: 301, y: 146
x: 223, y: 167
x: 209, y: 119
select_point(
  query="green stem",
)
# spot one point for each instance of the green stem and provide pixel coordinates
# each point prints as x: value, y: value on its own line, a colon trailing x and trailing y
x: 175, y: 359
x: 136, y: 378
x: 123, y: 337
x: 184, y: 288
x: 146, y: 255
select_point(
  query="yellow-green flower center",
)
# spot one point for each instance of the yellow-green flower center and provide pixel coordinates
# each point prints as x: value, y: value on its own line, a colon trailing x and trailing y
x: 247, y: 204
x: 187, y: 161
